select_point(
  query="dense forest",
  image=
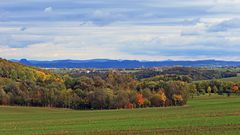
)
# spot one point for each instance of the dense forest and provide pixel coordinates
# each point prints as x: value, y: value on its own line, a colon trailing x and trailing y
x: 194, y: 73
x: 30, y: 86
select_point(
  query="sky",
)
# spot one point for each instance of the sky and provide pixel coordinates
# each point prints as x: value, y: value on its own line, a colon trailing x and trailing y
x: 120, y: 29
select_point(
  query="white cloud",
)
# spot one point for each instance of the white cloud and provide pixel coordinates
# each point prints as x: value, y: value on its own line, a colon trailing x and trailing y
x: 113, y: 29
x: 228, y: 1
x: 100, y: 13
x: 231, y: 24
x: 48, y: 9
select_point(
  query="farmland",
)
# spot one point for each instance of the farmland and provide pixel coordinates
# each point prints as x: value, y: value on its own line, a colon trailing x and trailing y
x: 202, y: 115
x: 128, y: 67
x: 232, y: 79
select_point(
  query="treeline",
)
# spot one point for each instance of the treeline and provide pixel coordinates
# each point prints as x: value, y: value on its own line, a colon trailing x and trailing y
x: 217, y: 87
x: 194, y: 73
x: 28, y: 86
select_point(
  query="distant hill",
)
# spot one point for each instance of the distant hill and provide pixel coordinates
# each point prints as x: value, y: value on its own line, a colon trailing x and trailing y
x: 107, y: 63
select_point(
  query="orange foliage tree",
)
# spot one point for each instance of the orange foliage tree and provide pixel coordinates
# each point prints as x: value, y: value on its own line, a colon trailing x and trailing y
x: 140, y: 99
x: 130, y: 106
x: 234, y: 88
x: 177, y: 99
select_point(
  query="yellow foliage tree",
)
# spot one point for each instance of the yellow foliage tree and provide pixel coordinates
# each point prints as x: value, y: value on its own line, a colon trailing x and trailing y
x: 177, y: 98
x: 162, y: 96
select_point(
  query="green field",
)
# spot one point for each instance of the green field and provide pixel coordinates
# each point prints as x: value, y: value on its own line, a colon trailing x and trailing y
x: 232, y: 79
x: 228, y: 79
x: 202, y: 115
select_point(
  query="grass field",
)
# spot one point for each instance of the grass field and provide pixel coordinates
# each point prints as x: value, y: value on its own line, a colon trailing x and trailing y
x: 202, y: 115
x: 229, y: 79
x: 232, y: 79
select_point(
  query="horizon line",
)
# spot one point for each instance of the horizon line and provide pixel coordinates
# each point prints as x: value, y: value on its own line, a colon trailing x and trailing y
x: 121, y: 60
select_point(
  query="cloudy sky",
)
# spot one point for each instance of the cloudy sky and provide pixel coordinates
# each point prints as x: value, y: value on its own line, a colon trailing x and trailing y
x: 120, y: 29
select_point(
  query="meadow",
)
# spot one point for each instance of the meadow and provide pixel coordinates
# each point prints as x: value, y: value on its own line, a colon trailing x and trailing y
x: 231, y: 79
x: 202, y: 115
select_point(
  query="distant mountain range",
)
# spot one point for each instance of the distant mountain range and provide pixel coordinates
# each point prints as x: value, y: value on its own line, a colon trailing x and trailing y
x: 107, y: 63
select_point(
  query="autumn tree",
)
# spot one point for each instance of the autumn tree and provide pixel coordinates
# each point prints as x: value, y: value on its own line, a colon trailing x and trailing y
x: 121, y: 99
x: 178, y: 100
x: 140, y: 99
x: 177, y: 88
x: 209, y: 90
x: 159, y: 99
x: 98, y: 99
x: 234, y: 89
x: 215, y: 89
x: 192, y: 90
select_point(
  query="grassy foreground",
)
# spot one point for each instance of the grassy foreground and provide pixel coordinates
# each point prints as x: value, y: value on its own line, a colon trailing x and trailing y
x: 202, y: 115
